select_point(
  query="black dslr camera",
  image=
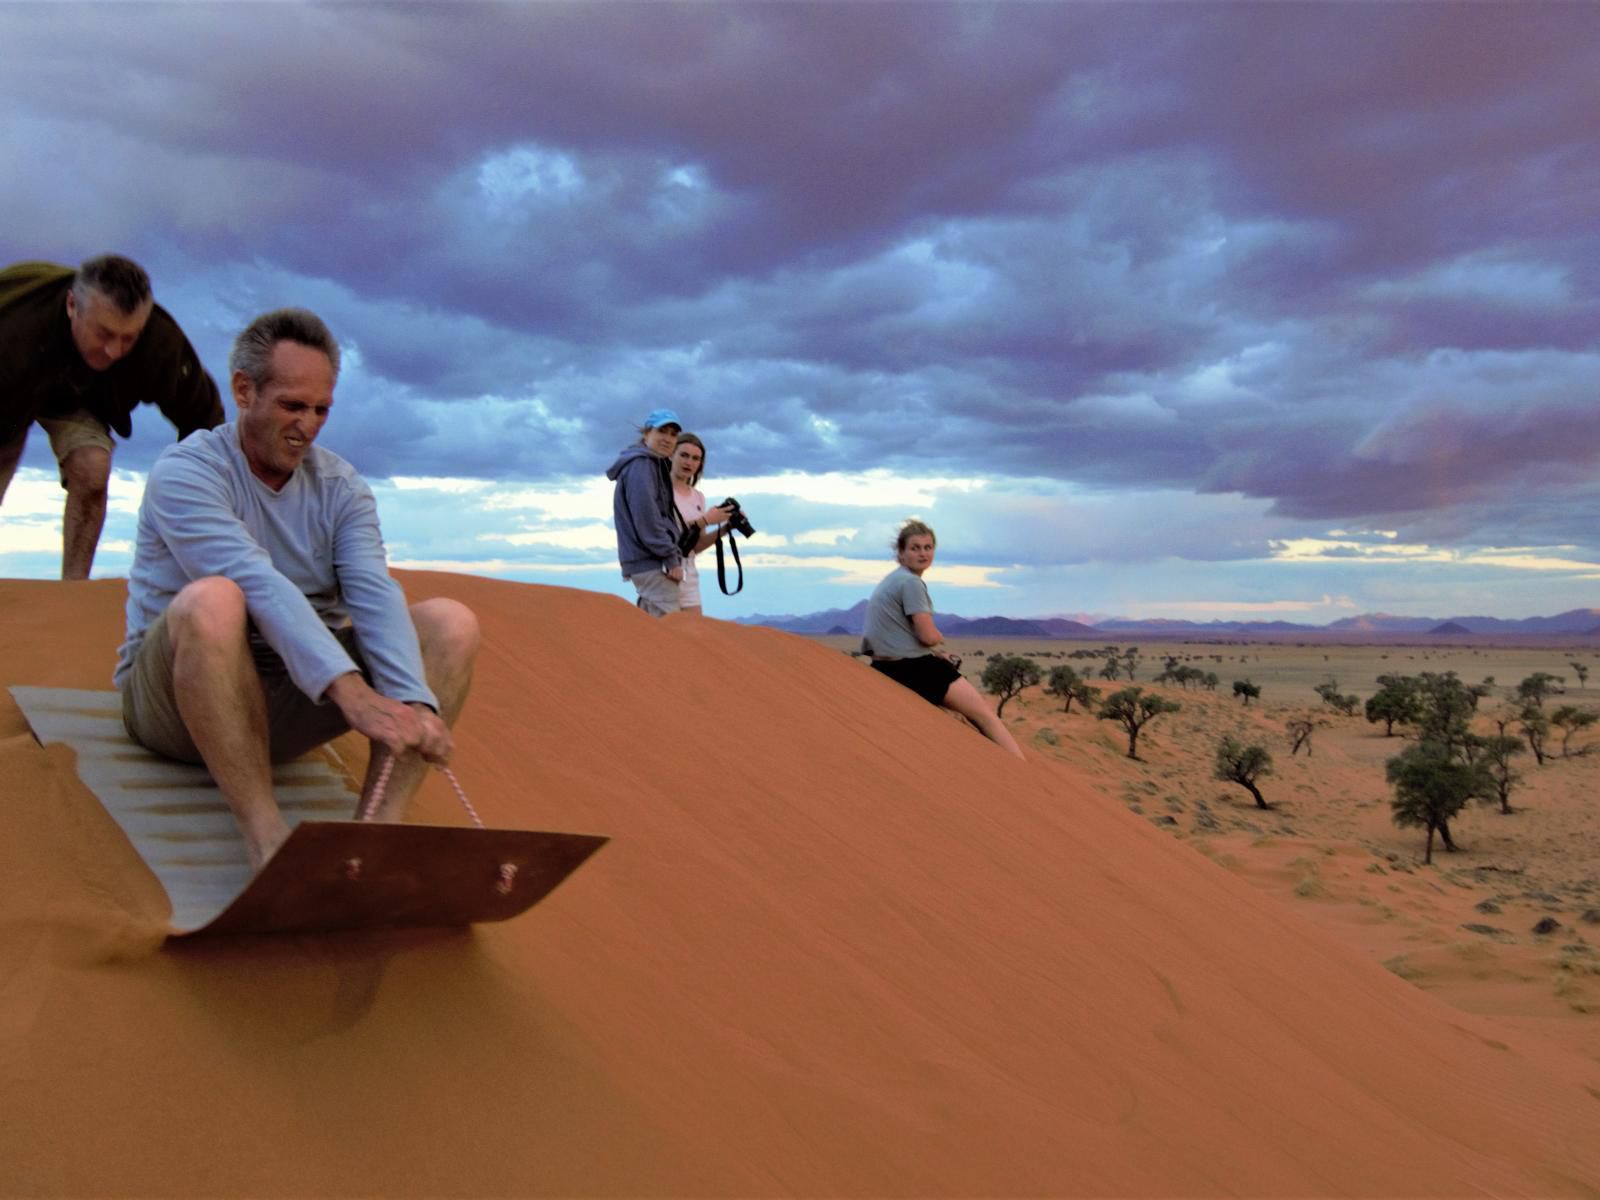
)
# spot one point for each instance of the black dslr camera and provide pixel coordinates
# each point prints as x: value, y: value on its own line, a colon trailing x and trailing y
x: 736, y: 518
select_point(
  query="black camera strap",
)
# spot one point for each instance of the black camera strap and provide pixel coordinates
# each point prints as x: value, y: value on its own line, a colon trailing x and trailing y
x: 722, y: 568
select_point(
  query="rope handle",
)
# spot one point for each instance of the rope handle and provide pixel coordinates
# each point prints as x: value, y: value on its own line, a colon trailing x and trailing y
x: 508, y: 871
x: 370, y: 806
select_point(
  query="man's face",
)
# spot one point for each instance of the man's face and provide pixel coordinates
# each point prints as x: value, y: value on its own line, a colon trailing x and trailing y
x: 101, y: 331
x: 279, y: 420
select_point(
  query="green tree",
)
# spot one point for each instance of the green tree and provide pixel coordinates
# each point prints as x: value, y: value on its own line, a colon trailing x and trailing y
x: 1536, y: 728
x: 1184, y: 676
x: 1431, y: 787
x: 1537, y: 686
x: 1250, y: 691
x: 1133, y: 710
x: 1444, y: 710
x: 1494, y: 755
x: 1328, y: 689
x: 1067, y: 685
x: 1571, y: 720
x: 1111, y: 669
x: 1241, y: 764
x: 1581, y: 671
x: 1210, y: 680
x: 1006, y: 675
x: 1173, y: 672
x: 1396, y: 702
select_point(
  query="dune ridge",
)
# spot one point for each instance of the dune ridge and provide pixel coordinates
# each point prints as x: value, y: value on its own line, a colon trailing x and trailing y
x: 839, y: 945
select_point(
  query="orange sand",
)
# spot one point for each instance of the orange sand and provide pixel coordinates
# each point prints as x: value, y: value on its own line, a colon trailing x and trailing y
x: 839, y: 946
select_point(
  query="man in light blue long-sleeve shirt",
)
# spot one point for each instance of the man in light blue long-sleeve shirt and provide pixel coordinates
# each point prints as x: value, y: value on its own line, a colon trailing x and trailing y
x: 262, y: 619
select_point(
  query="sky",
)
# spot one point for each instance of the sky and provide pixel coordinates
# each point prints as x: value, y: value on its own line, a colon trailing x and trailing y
x: 1205, y: 311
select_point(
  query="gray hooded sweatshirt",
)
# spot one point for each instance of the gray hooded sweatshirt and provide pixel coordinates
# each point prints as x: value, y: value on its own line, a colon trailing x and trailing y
x: 642, y: 509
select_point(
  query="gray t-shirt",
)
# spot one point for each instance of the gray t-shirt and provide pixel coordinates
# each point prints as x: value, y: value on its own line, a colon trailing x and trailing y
x: 888, y: 632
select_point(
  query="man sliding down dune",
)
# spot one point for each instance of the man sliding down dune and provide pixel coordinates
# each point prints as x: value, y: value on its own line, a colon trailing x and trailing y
x: 262, y: 620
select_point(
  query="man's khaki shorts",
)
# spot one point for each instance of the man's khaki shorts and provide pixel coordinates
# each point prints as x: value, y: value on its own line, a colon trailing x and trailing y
x: 68, y: 433
x: 295, y: 722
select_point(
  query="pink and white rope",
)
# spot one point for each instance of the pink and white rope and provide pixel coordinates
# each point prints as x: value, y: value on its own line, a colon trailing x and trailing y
x: 373, y: 801
x: 508, y: 871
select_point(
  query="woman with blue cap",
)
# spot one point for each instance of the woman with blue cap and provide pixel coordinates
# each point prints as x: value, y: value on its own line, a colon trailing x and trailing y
x: 646, y: 518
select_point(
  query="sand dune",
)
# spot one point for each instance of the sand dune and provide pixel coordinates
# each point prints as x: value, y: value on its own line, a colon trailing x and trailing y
x: 839, y: 945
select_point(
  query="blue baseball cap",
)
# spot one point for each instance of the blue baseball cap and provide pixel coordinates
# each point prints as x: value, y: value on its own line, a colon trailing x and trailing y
x: 662, y: 416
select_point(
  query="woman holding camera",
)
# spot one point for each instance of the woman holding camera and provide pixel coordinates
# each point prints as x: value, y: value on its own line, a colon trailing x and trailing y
x: 901, y: 636
x: 688, y: 464
x: 645, y: 517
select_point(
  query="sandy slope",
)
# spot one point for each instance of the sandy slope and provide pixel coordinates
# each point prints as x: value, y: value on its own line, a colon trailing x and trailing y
x: 1463, y: 928
x: 839, y: 946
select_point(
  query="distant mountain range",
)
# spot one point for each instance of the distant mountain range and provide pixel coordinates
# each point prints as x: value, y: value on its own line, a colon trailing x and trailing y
x: 849, y: 621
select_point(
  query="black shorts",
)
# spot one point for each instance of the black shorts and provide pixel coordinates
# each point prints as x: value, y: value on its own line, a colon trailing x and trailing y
x: 928, y: 675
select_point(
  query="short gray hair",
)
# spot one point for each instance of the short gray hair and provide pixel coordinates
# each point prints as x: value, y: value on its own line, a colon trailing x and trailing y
x: 252, y: 349
x: 120, y: 280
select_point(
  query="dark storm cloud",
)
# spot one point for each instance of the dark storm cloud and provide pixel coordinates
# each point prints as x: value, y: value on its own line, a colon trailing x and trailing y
x: 1336, y: 258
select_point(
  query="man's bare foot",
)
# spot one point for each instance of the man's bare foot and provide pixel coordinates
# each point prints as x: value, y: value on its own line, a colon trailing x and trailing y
x: 261, y: 850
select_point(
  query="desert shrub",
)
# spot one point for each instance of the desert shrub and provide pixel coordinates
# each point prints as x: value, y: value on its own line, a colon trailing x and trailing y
x: 1432, y: 785
x: 1570, y: 720
x: 1241, y: 764
x: 1537, y: 686
x: 1005, y: 675
x: 1444, y: 709
x: 1396, y: 702
x: 1300, y: 730
x: 1133, y: 710
x: 1536, y: 728
x: 1492, y: 756
x: 1328, y: 689
x: 1068, y: 685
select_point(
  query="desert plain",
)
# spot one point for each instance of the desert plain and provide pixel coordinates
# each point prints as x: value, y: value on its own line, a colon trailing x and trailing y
x: 1464, y: 927
x: 838, y: 945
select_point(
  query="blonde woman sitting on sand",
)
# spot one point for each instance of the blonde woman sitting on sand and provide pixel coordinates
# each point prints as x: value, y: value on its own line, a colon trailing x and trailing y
x: 901, y: 636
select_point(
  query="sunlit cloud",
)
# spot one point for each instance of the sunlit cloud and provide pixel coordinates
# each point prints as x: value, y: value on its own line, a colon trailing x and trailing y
x: 441, y: 484
x: 582, y: 537
x: 1515, y: 558
x: 867, y: 572
x: 32, y: 494
x: 576, y: 499
x: 1314, y: 549
x: 29, y: 535
x: 824, y: 537
x: 511, y: 177
x: 1489, y: 277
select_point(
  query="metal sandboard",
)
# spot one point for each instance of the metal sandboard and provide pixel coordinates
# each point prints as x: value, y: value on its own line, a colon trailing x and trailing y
x: 330, y: 874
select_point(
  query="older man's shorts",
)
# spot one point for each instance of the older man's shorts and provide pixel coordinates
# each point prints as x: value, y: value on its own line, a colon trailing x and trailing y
x: 73, y: 432
x: 67, y: 434
x: 295, y: 722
